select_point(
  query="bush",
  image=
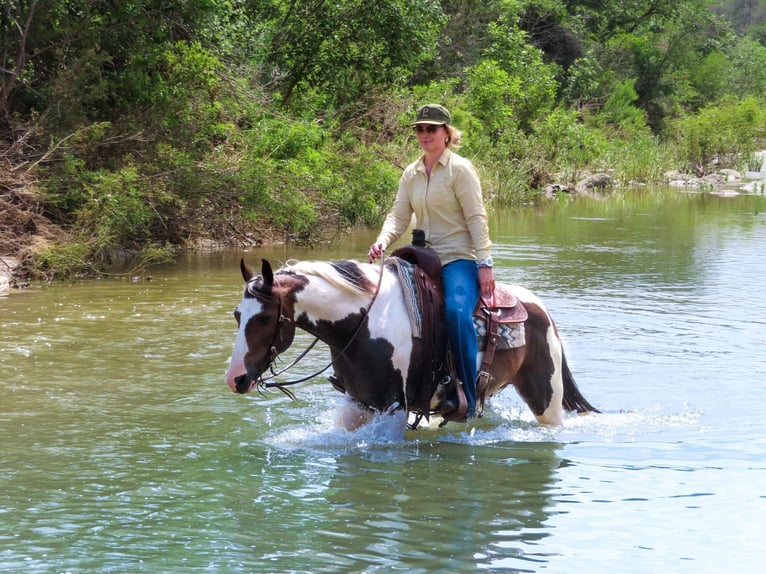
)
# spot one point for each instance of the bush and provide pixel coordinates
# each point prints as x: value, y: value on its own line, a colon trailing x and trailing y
x: 720, y: 133
x: 363, y: 194
x: 566, y: 142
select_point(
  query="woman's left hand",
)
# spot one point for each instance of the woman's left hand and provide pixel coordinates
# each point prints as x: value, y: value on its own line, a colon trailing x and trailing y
x: 486, y: 281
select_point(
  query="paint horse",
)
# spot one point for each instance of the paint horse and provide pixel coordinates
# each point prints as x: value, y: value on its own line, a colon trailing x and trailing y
x: 360, y: 311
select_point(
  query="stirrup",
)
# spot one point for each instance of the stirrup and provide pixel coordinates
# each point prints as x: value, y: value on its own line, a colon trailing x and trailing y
x: 456, y: 413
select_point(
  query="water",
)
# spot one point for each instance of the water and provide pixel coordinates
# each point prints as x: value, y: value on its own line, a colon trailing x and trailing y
x: 124, y: 451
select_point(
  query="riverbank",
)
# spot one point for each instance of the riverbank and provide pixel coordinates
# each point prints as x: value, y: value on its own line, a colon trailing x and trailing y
x: 26, y: 232
x: 722, y: 182
x: 7, y: 267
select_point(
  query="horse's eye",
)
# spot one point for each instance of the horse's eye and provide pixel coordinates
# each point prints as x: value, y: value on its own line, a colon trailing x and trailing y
x: 237, y: 315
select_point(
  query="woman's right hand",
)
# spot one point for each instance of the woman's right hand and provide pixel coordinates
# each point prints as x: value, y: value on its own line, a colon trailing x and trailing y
x: 376, y: 250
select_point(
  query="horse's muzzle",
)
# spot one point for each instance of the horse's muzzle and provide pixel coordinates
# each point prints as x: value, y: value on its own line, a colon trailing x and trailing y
x: 244, y: 384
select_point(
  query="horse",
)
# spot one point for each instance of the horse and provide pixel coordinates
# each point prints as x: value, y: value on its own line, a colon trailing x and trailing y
x: 360, y: 312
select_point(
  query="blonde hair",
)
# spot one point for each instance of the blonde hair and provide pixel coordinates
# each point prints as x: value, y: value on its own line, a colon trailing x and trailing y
x: 454, y: 136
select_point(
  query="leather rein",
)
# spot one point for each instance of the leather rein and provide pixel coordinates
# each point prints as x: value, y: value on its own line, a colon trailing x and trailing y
x: 274, y: 354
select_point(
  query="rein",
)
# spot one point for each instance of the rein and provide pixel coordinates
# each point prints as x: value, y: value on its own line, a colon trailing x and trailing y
x: 280, y: 385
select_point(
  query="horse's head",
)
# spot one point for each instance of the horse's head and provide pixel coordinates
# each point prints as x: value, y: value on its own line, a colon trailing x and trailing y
x: 266, y: 323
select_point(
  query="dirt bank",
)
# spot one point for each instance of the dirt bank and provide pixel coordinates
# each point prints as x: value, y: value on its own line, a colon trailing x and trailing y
x: 24, y: 230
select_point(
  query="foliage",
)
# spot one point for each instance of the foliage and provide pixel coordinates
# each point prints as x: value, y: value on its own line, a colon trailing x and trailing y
x: 357, y: 44
x: 620, y: 113
x: 148, y: 124
x: 492, y: 93
x: 653, y: 42
x: 642, y: 158
x: 740, y: 61
x: 116, y: 221
x: 566, y: 143
x: 519, y: 81
x: 748, y: 67
x: 723, y: 133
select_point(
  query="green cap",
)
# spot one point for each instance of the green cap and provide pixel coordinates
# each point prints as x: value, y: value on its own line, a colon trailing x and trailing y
x: 432, y: 114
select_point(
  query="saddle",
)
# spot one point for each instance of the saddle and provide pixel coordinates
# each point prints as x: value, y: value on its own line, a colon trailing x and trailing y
x: 501, y: 308
x: 433, y: 335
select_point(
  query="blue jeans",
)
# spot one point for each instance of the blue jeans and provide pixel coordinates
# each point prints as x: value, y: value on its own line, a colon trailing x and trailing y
x: 460, y: 282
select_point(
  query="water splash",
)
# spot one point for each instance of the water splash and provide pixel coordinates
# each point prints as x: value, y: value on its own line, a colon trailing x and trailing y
x: 346, y: 426
x: 507, y: 419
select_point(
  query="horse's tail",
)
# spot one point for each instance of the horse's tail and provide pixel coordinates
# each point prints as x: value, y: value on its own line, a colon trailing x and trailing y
x: 573, y: 399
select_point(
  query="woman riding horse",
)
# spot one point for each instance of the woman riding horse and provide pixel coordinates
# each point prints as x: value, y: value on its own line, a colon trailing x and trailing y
x: 442, y: 190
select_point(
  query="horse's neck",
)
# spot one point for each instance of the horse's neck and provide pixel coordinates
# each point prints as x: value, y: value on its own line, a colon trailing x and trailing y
x: 332, y: 313
x: 322, y: 306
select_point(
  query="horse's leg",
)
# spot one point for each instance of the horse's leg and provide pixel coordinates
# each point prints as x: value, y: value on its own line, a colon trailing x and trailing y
x: 535, y: 369
x: 554, y: 413
x: 351, y: 416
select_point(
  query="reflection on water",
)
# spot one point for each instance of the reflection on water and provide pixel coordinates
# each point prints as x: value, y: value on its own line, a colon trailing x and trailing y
x: 124, y: 451
x: 376, y: 509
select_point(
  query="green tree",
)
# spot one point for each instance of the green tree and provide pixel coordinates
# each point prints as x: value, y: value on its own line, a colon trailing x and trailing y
x: 463, y: 39
x: 743, y: 14
x: 512, y: 85
x: 651, y: 41
x: 146, y: 122
x: 100, y: 57
x: 345, y: 48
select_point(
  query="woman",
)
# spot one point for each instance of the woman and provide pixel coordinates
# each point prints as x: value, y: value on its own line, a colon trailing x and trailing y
x: 442, y: 190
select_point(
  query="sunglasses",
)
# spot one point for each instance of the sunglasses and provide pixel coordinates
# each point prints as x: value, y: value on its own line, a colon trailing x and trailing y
x: 431, y: 129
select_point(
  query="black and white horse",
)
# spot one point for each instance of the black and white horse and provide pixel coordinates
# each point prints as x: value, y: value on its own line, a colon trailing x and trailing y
x: 359, y: 310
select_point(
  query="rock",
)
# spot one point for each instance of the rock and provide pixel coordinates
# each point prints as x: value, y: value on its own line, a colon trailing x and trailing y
x: 674, y: 175
x: 598, y: 181
x: 552, y: 189
x: 714, y: 178
x: 730, y: 175
x: 755, y: 187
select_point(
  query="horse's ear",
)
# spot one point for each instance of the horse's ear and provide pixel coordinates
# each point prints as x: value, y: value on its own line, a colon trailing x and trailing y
x: 247, y: 274
x: 268, y: 274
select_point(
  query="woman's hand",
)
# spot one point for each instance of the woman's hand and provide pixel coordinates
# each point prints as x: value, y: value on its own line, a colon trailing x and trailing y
x: 486, y: 281
x: 376, y: 250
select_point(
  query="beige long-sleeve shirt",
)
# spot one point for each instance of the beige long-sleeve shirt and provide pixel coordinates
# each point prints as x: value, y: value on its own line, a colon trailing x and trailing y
x: 448, y: 207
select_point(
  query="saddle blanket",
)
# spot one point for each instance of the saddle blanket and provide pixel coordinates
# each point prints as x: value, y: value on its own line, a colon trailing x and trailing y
x: 406, y: 272
x: 511, y: 334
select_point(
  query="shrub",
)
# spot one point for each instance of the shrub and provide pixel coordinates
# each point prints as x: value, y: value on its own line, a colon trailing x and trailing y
x: 566, y: 143
x: 720, y: 133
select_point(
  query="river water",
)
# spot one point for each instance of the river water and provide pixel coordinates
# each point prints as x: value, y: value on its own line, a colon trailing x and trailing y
x: 124, y: 451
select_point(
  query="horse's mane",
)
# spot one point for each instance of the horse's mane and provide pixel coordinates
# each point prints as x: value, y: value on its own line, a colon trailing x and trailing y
x: 345, y: 275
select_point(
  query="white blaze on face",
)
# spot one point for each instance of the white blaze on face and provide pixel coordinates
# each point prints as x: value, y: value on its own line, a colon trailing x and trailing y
x: 248, y: 308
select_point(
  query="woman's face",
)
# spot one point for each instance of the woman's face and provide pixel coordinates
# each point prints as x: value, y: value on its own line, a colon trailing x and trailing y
x: 432, y: 138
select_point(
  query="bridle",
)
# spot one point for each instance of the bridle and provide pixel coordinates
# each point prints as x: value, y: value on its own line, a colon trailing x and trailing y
x: 273, y: 353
